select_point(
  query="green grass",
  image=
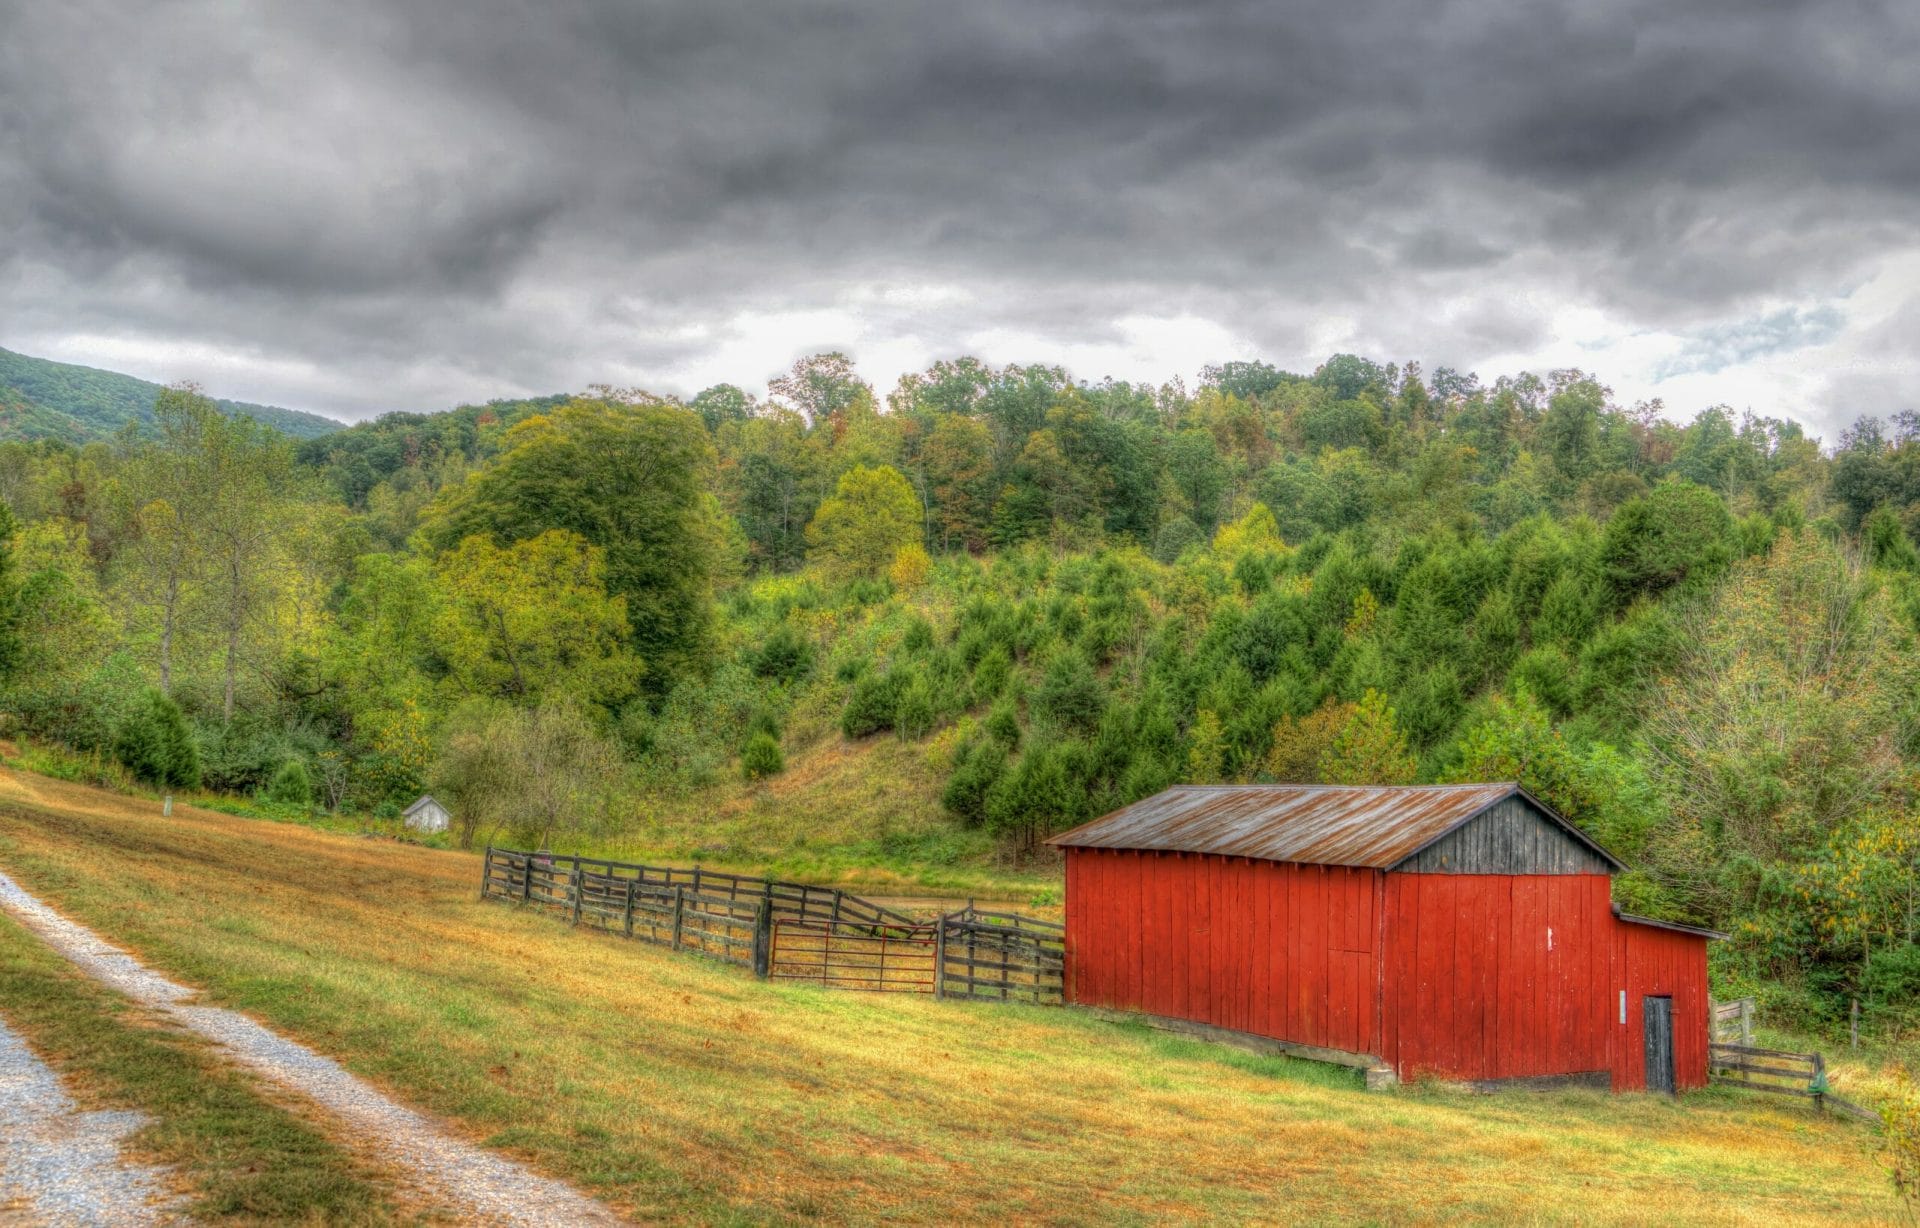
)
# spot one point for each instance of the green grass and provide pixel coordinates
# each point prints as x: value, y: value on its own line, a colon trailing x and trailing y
x: 242, y: 1157
x: 685, y: 1091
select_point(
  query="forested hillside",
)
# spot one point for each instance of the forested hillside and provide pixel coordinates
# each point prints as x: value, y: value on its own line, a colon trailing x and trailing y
x: 56, y: 400
x: 573, y: 617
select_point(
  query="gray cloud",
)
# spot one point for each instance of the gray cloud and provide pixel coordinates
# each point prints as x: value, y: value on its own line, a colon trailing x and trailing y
x: 451, y: 197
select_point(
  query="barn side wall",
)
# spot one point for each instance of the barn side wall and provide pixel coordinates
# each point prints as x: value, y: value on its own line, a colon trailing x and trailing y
x: 1510, y: 837
x: 1497, y: 976
x: 1652, y: 961
x: 1275, y: 949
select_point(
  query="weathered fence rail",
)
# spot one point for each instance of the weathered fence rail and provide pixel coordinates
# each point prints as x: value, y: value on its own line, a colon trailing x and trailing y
x: 793, y: 931
x: 1779, y: 1072
x: 1733, y: 1021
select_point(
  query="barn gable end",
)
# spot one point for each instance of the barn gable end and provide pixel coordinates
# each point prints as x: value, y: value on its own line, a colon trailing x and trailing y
x: 1513, y: 836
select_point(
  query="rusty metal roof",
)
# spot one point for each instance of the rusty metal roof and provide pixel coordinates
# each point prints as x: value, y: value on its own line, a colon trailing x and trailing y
x: 1377, y: 826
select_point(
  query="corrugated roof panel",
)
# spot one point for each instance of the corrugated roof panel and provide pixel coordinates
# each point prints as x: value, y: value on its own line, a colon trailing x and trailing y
x: 1375, y: 826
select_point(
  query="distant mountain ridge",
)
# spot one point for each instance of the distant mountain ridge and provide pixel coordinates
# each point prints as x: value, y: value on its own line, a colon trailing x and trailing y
x: 42, y: 399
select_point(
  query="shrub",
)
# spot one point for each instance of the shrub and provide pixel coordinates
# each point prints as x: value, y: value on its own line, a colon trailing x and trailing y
x: 1069, y: 697
x: 871, y: 707
x: 991, y: 675
x: 979, y: 769
x: 784, y: 656
x: 155, y: 744
x: 915, y: 713
x: 291, y: 784
x: 1003, y: 726
x: 761, y: 757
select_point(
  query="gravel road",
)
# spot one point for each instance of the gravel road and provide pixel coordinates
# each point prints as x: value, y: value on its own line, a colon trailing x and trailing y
x: 59, y: 1165
x: 484, y: 1187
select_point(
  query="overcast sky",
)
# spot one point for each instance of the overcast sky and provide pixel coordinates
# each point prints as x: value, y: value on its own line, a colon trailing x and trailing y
x: 353, y: 207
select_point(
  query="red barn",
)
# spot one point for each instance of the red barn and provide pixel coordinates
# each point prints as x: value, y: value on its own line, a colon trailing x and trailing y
x: 1462, y: 931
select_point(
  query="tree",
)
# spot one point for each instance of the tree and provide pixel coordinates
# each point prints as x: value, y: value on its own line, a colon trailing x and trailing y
x: 562, y: 771
x: 629, y: 474
x: 857, y: 533
x: 239, y: 527
x: 1301, y: 746
x: 1677, y: 533
x: 821, y: 387
x: 533, y: 620
x: 958, y: 458
x: 11, y: 644
x: 169, y: 481
x: 1369, y: 749
x: 1783, y: 719
x: 155, y: 744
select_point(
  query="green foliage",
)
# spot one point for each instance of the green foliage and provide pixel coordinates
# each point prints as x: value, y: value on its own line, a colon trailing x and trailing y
x: 1369, y: 749
x: 873, y: 514
x: 1069, y: 697
x: 155, y: 744
x: 1678, y: 533
x: 761, y: 757
x: 873, y: 705
x: 629, y: 478
x: 291, y: 784
x: 975, y: 775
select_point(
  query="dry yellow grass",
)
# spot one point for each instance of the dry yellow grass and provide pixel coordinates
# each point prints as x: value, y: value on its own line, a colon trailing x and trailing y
x: 680, y: 1090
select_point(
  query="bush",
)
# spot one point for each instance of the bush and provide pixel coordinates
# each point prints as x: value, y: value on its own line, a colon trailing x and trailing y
x: 1003, y: 726
x: 291, y: 784
x: 761, y: 757
x: 979, y: 769
x: 916, y: 713
x: 242, y: 756
x: 155, y: 744
x: 784, y: 656
x: 1069, y: 697
x: 871, y: 707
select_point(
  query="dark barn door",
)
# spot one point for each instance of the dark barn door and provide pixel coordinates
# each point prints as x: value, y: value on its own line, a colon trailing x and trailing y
x: 1658, y: 1013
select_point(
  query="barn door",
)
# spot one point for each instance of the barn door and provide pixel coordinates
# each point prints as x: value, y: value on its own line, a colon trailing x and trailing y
x: 1658, y: 1013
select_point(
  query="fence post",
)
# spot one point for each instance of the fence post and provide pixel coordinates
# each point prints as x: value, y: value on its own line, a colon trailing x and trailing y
x: 679, y: 907
x: 526, y: 878
x: 1819, y: 1085
x: 574, y: 879
x: 940, y: 958
x: 763, y: 939
x: 628, y: 921
x: 1746, y: 1022
x: 486, y: 871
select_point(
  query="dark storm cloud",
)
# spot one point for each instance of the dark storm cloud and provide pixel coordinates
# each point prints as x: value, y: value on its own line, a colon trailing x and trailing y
x: 531, y: 194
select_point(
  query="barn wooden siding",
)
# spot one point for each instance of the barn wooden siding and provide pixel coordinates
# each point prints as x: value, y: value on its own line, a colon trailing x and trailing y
x: 1652, y: 961
x: 1509, y: 837
x: 1272, y: 948
x: 1492, y: 976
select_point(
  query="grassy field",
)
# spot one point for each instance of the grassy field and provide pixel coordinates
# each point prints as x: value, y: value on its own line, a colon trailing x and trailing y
x: 862, y: 814
x: 676, y: 1089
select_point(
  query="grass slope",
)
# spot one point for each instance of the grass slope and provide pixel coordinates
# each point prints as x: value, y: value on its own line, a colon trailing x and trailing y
x: 684, y: 1091
x: 44, y: 399
x: 863, y: 813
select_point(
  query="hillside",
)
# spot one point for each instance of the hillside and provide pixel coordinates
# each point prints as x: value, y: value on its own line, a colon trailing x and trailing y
x: 41, y: 399
x: 903, y: 640
x: 755, y: 1102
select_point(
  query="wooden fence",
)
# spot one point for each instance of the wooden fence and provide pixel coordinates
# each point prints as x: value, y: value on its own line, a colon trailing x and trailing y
x: 1779, y: 1072
x: 792, y: 931
x: 1732, y: 1022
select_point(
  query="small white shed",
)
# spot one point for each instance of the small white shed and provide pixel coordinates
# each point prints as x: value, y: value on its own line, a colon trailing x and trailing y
x: 427, y: 814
